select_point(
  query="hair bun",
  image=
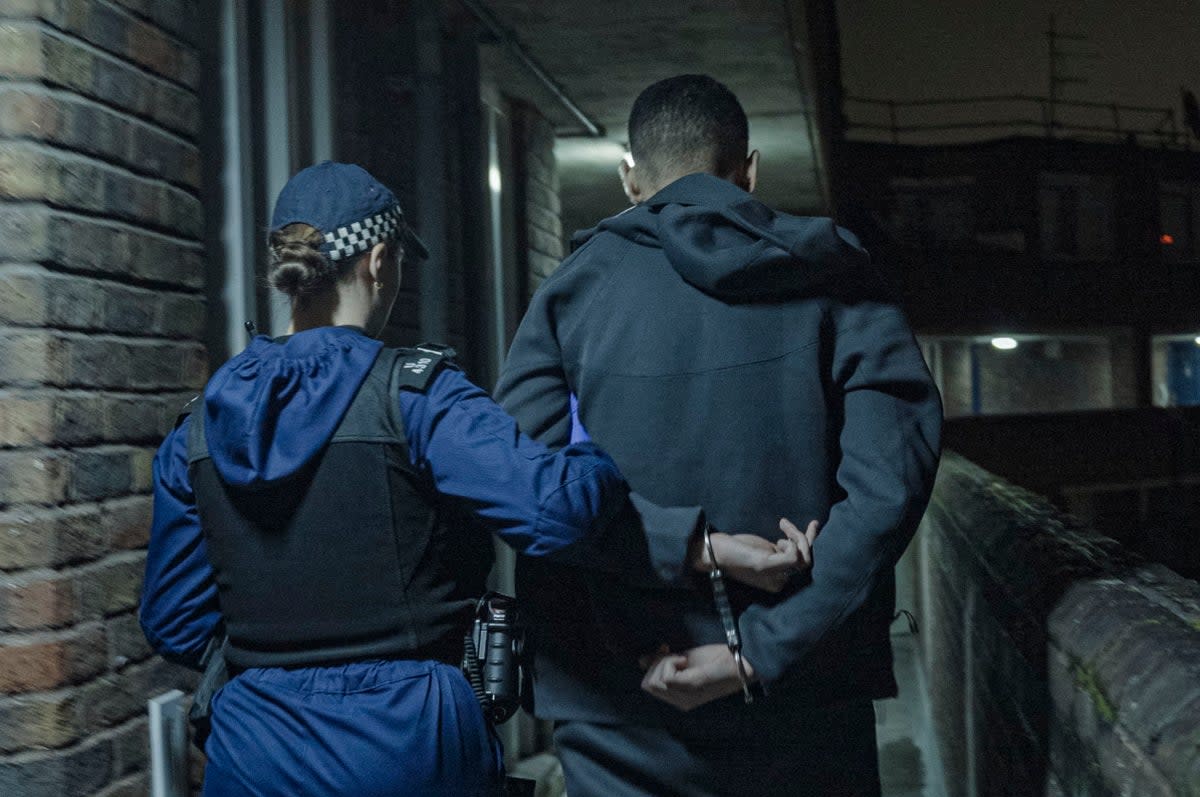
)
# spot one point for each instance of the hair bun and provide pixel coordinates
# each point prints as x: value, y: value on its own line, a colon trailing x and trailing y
x: 298, y: 266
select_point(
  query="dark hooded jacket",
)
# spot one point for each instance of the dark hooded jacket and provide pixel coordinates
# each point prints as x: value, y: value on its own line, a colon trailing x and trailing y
x: 753, y: 362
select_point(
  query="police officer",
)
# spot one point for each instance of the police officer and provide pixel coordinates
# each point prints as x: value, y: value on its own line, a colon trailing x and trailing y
x: 321, y: 504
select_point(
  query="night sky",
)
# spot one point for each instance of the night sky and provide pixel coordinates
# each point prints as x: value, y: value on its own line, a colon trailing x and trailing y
x: 908, y: 49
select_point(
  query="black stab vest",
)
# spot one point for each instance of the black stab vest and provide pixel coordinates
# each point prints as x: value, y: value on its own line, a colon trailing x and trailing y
x: 353, y: 557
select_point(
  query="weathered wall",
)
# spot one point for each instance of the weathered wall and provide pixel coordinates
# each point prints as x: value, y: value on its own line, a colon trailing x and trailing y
x: 101, y: 314
x: 540, y: 239
x: 1058, y: 663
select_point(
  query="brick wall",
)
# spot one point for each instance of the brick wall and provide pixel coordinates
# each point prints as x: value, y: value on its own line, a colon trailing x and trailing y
x: 540, y: 239
x: 101, y: 318
x: 1058, y: 663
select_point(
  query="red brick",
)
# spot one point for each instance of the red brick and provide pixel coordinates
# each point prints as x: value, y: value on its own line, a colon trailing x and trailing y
x: 32, y: 50
x: 21, y: 54
x: 112, y: 585
x: 100, y: 472
x: 30, y: 171
x: 126, y: 642
x: 75, y: 419
x: 127, y: 522
x: 26, y: 420
x: 117, y: 697
x: 36, y: 600
x: 132, y: 747
x: 35, y: 721
x: 134, y: 419
x: 110, y: 707
x: 23, y: 297
x: 31, y: 358
x: 79, y: 769
x: 141, y: 461
x: 75, y: 359
x: 50, y: 537
x: 38, y: 234
x: 180, y: 315
x: 33, y: 477
x: 34, y: 296
x: 177, y: 17
x: 45, y: 661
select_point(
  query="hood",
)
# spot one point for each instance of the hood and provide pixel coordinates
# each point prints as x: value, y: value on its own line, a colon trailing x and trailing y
x: 728, y: 244
x: 272, y: 408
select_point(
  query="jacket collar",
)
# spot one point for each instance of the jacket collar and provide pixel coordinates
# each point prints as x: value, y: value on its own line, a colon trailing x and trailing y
x: 699, y: 189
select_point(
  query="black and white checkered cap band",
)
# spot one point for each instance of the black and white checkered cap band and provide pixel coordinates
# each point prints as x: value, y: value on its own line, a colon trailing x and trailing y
x: 362, y: 235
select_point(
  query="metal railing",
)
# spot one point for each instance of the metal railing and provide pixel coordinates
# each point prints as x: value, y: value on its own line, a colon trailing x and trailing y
x: 905, y: 121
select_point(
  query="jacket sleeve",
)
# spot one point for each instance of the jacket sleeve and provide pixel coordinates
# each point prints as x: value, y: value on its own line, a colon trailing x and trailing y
x: 179, y: 609
x: 571, y: 504
x: 889, y: 443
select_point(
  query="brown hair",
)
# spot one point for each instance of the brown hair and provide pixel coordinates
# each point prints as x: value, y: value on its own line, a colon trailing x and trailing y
x: 298, y: 266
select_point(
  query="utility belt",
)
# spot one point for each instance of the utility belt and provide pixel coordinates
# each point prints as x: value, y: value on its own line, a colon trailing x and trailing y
x: 492, y: 661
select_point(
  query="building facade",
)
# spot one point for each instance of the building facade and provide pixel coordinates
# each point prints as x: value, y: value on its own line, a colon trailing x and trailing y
x: 1042, y: 274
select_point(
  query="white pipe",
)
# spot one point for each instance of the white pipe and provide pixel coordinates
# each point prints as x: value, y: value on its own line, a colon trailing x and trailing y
x: 277, y: 133
x: 321, y: 79
x: 238, y: 293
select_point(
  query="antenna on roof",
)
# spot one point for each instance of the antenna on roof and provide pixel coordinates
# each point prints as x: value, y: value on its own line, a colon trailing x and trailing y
x: 1057, y: 78
x: 1191, y: 112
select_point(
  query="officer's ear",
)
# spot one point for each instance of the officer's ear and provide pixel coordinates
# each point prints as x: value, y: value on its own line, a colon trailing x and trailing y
x: 379, y: 262
x: 630, y: 179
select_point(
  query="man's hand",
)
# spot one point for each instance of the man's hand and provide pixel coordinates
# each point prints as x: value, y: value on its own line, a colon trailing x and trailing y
x: 760, y: 563
x: 695, y: 677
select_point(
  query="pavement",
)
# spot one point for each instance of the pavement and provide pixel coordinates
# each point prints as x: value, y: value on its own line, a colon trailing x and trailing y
x: 909, y: 762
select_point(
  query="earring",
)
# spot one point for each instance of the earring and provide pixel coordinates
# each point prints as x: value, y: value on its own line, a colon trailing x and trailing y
x: 378, y: 285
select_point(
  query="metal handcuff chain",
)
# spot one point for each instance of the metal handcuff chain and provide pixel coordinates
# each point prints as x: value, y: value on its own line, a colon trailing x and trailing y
x: 716, y: 578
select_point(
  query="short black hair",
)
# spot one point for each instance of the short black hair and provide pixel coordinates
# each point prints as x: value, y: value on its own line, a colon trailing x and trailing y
x: 688, y: 122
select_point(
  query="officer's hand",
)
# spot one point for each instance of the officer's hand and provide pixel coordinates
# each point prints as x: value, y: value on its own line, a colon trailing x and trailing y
x: 695, y: 677
x: 760, y: 563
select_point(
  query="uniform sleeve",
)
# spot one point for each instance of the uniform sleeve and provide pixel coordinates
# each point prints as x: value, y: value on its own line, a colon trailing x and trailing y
x: 571, y: 504
x: 890, y: 443
x: 179, y: 610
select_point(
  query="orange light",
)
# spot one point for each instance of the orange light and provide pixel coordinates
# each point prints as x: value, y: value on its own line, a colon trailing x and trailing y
x: 1166, y: 239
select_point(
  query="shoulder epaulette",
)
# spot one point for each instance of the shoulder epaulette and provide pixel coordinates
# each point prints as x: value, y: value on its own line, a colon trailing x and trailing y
x: 186, y: 410
x: 417, y: 367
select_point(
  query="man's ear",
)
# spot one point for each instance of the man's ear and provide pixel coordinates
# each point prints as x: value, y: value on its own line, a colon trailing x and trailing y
x: 751, y: 172
x: 629, y: 180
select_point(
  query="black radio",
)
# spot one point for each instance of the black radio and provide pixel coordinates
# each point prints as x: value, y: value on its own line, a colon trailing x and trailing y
x: 492, y: 654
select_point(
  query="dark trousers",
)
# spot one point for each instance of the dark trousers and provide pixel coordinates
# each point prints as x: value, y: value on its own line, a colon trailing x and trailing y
x: 830, y: 754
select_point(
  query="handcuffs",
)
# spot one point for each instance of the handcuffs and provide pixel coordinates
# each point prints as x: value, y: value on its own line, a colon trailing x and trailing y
x: 733, y: 639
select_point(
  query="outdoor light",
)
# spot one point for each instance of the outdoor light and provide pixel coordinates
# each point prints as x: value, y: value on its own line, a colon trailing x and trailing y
x: 1198, y: 340
x: 1166, y: 239
x: 1004, y: 344
x: 494, y: 179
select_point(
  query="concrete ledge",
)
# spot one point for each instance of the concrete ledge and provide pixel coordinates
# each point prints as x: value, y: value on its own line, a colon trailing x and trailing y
x: 1058, y: 660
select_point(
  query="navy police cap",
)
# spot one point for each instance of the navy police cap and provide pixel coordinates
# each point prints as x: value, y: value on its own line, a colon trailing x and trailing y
x: 352, y: 210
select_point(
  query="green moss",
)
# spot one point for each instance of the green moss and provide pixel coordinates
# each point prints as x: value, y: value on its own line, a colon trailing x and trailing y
x: 1087, y: 680
x: 1195, y: 623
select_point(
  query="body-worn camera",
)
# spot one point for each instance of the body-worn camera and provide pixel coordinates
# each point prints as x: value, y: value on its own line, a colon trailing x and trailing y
x: 492, y: 655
